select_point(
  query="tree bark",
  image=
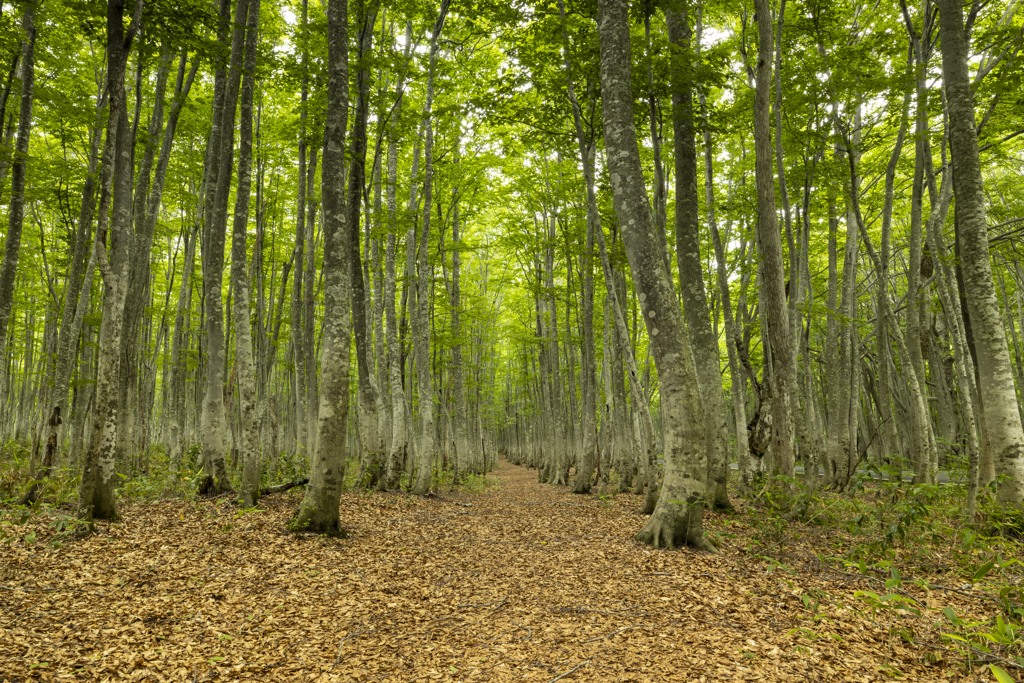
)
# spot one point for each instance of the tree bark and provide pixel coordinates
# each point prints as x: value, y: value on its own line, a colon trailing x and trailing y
x: 16, y: 214
x: 678, y: 517
x: 774, y: 286
x: 96, y: 491
x: 1002, y: 419
x: 245, y: 365
x: 703, y: 340
x: 213, y: 421
x: 318, y: 512
x: 424, y: 280
x: 366, y: 394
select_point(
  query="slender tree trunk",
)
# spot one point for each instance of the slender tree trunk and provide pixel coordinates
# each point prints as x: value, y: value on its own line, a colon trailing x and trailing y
x: 703, y: 340
x: 318, y: 512
x: 16, y: 215
x: 297, y: 328
x: 774, y: 286
x: 396, y: 451
x: 213, y: 423
x: 1001, y: 417
x: 425, y: 278
x: 245, y: 370
x: 589, y: 455
x: 79, y: 280
x: 366, y: 401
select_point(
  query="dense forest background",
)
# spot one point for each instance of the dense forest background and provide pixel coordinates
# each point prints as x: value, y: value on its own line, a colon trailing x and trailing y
x: 379, y: 246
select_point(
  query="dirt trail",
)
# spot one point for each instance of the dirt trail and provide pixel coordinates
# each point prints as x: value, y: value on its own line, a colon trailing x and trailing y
x: 524, y: 582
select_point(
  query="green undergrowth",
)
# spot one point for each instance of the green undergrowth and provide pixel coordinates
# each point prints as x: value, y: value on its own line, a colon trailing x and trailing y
x: 950, y: 585
x: 50, y: 518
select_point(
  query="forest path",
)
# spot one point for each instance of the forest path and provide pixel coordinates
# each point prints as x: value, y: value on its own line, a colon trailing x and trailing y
x: 524, y: 581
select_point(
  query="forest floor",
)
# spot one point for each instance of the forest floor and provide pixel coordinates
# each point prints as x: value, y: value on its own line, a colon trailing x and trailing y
x: 521, y: 582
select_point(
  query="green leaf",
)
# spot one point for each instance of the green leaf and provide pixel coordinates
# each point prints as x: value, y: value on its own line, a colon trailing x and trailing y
x: 951, y: 615
x: 983, y: 570
x: 1001, y: 676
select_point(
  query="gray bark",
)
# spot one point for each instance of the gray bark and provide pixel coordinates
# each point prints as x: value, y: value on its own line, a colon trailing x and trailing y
x: 1001, y: 417
x: 703, y: 340
x: 678, y: 517
x: 96, y: 491
x: 774, y: 286
x: 245, y: 365
x: 213, y: 421
x: 16, y: 214
x: 318, y: 512
x: 366, y: 403
x: 424, y: 280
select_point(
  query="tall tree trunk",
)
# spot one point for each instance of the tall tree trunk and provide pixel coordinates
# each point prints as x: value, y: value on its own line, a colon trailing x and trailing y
x: 96, y: 491
x: 678, y: 517
x: 424, y: 280
x: 1001, y: 417
x: 396, y: 451
x: 297, y: 328
x: 79, y: 276
x: 213, y: 424
x: 318, y: 512
x: 245, y: 366
x: 366, y: 394
x: 774, y: 286
x: 588, y: 379
x: 16, y: 215
x: 703, y: 340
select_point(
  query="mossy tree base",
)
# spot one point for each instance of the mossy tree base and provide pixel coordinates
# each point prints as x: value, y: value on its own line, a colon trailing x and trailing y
x: 674, y: 525
x: 311, y: 520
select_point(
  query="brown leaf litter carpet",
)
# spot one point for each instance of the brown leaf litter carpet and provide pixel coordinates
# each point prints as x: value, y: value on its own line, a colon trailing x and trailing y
x: 523, y: 582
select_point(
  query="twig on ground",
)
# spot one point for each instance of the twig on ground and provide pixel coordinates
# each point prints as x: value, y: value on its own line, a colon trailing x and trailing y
x: 598, y: 611
x: 281, y: 488
x: 613, y: 633
x: 337, y: 660
x: 486, y: 604
x: 983, y: 657
x: 561, y: 676
x: 970, y: 594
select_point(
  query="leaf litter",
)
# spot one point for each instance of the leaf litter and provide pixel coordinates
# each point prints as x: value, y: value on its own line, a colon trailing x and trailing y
x: 523, y: 582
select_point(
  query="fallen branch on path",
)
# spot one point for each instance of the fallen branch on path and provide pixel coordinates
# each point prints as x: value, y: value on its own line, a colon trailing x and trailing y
x: 560, y: 676
x: 281, y: 488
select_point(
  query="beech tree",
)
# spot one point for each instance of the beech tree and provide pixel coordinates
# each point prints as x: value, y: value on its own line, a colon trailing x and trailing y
x: 485, y: 234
